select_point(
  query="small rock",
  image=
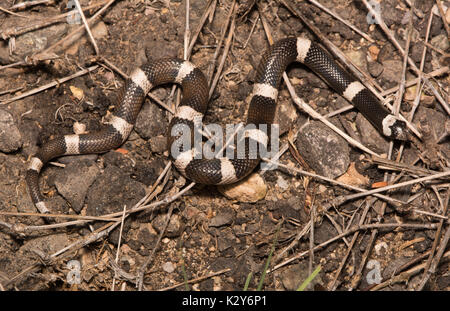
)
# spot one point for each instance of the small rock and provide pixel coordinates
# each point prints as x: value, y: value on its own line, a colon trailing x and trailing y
x: 223, y: 244
x: 391, y: 71
x: 99, y: 30
x: 221, y: 219
x: 168, y: 267
x: 74, y: 181
x: 326, y: 152
x: 151, y: 121
x: 375, y: 69
x: 440, y: 42
x: 158, y: 144
x: 370, y: 137
x: 358, y: 57
x: 250, y: 189
x: 10, y: 137
x: 173, y: 229
x: 47, y: 244
x: 374, y: 50
x: 147, y: 239
x: 295, y: 275
x: 282, y: 183
x: 286, y: 116
x: 110, y: 192
x: 76, y: 158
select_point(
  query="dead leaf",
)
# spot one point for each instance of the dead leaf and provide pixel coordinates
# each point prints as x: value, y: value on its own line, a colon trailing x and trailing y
x: 352, y: 177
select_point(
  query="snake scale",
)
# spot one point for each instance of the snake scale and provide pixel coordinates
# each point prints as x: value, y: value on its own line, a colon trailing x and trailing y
x: 193, y: 106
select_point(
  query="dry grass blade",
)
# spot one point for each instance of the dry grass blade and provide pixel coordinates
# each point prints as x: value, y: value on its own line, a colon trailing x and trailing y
x: 77, y: 30
x: 27, y: 4
x: 224, y: 55
x: 352, y: 230
x: 16, y: 31
x: 86, y: 25
x: 212, y: 65
x: 348, y: 24
x: 49, y: 85
x: 413, y: 66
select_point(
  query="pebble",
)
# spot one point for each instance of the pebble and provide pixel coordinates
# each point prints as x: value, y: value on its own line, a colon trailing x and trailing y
x: 47, y: 244
x: 370, y: 137
x: 391, y: 71
x: 325, y: 152
x: 282, y: 183
x: 358, y: 57
x: 286, y: 116
x: 295, y: 275
x: 251, y: 189
x: 158, y: 144
x: 221, y: 219
x: 168, y: 267
x: 10, y: 137
x: 74, y: 181
x: 99, y: 31
x: 110, y: 191
x: 173, y: 229
x: 440, y: 42
x: 373, y: 52
x: 375, y: 69
x: 151, y: 121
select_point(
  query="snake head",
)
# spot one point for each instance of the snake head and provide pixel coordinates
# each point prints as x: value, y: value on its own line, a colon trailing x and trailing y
x: 395, y: 128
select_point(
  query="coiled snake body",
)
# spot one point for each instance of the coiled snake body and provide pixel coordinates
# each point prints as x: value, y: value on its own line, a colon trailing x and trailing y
x: 194, y: 104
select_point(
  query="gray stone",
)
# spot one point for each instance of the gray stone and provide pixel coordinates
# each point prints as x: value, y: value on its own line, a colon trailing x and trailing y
x: 36, y: 41
x: 174, y: 227
x: 168, y: 267
x: 324, y: 151
x: 295, y: 275
x: 392, y: 70
x: 74, y: 181
x: 375, y: 69
x: 286, y: 116
x: 158, y: 144
x: 221, y: 219
x: 111, y: 191
x: 151, y: 121
x: 370, y: 137
x: 10, y: 137
x: 47, y: 244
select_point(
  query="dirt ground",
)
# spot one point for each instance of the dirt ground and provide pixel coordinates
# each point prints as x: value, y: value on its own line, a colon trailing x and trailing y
x: 214, y: 241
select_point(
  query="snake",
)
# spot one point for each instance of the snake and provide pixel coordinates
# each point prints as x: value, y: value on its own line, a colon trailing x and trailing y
x: 195, y: 96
